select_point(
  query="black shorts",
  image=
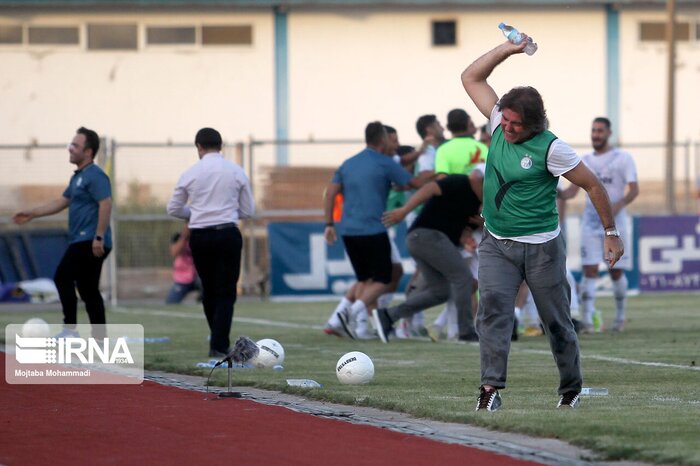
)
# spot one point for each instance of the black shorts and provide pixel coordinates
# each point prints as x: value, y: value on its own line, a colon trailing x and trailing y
x: 370, y: 257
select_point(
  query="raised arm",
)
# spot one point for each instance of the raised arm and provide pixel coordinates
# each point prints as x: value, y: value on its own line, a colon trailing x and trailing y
x: 411, y: 157
x: 474, y: 77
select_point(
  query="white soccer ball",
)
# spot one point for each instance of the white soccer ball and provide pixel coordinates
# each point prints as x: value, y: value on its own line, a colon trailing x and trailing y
x: 354, y: 368
x: 36, y: 328
x: 270, y: 354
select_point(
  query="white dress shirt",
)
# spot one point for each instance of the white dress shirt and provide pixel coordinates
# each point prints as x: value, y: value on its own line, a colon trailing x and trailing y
x: 213, y: 191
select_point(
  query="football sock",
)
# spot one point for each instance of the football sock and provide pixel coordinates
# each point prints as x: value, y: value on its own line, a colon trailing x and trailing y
x: 620, y: 293
x: 334, y: 320
x: 588, y: 299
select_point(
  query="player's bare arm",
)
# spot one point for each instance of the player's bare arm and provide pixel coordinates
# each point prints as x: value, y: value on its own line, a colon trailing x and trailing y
x: 630, y: 195
x: 584, y: 178
x: 568, y: 193
x: 103, y: 214
x: 331, y: 191
x: 475, y: 75
x: 50, y: 208
x: 393, y: 217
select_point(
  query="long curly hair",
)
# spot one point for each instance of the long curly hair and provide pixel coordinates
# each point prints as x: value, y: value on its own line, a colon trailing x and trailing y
x: 528, y: 103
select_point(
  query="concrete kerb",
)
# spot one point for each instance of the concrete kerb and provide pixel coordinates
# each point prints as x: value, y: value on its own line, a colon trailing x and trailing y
x: 541, y: 450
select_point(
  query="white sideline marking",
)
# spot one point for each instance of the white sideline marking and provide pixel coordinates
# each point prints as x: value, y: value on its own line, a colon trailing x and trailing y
x: 274, y: 323
x: 155, y: 312
x: 675, y: 400
x: 621, y: 360
x: 199, y: 316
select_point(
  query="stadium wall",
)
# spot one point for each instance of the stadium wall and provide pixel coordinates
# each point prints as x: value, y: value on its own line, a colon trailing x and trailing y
x: 345, y: 66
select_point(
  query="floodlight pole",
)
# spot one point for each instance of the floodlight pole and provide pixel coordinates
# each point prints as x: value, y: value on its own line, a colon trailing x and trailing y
x: 670, y: 105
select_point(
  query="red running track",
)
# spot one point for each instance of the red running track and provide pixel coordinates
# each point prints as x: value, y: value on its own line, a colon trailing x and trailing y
x: 152, y: 424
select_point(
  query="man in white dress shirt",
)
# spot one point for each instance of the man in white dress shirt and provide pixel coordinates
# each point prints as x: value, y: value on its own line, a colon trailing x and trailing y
x: 213, y: 195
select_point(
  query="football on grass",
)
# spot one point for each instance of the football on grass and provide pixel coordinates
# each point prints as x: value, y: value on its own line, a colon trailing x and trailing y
x: 354, y: 368
x: 271, y: 354
x: 36, y: 328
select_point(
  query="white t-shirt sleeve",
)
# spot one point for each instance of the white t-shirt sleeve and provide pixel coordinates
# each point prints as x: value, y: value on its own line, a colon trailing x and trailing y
x: 561, y: 158
x: 495, y: 119
x: 630, y: 169
x: 426, y: 161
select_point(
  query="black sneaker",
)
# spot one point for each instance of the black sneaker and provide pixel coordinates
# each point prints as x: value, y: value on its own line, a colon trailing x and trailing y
x: 344, y: 317
x: 488, y: 400
x: 383, y: 324
x: 569, y: 400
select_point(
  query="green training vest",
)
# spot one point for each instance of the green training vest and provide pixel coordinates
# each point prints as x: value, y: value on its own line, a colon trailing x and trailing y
x: 519, y: 192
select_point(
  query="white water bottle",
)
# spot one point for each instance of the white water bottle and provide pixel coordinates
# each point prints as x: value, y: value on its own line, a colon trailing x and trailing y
x: 306, y: 383
x: 514, y: 36
x: 594, y: 391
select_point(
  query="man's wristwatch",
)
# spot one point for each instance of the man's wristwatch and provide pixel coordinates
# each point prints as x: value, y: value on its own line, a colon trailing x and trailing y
x: 98, y: 238
x: 612, y: 232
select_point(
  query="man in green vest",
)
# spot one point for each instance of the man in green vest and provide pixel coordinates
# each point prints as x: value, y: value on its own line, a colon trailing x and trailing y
x: 522, y: 239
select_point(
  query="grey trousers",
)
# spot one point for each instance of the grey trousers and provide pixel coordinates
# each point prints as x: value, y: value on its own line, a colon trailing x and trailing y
x: 445, y: 275
x: 503, y: 265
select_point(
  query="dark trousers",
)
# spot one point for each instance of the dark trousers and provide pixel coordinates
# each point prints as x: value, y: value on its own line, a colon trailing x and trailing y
x: 445, y: 275
x: 503, y: 265
x: 179, y: 291
x: 217, y: 258
x: 80, y: 268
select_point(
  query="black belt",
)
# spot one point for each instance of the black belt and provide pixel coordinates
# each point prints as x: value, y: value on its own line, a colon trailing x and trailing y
x: 221, y: 226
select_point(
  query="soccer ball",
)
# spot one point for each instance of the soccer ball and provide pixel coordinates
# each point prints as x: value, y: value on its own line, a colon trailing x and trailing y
x: 354, y: 368
x: 271, y: 354
x: 36, y: 328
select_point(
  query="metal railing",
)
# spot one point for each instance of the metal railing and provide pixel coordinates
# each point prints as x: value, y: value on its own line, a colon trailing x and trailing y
x: 143, y: 175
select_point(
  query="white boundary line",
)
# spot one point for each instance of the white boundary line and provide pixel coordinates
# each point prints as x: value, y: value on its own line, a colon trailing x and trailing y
x: 274, y: 323
x: 620, y: 360
x: 199, y: 316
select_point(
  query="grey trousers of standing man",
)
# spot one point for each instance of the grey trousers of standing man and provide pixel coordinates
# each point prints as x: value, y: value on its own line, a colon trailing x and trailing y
x: 445, y: 276
x: 503, y: 265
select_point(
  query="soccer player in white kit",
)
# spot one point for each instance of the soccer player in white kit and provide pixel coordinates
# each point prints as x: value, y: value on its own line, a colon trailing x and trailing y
x: 617, y: 172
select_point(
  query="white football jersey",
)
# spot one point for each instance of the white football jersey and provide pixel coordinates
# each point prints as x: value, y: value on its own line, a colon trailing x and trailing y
x: 615, y: 169
x: 426, y: 161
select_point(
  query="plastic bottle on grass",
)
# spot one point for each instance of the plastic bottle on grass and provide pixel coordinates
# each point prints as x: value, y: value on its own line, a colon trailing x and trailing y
x: 306, y: 383
x: 594, y: 391
x: 514, y: 36
x: 156, y: 340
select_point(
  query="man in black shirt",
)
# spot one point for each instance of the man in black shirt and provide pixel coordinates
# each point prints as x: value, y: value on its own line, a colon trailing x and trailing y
x: 433, y: 241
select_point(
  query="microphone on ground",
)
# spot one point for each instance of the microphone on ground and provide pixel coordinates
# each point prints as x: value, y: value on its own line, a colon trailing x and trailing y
x: 243, y: 351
